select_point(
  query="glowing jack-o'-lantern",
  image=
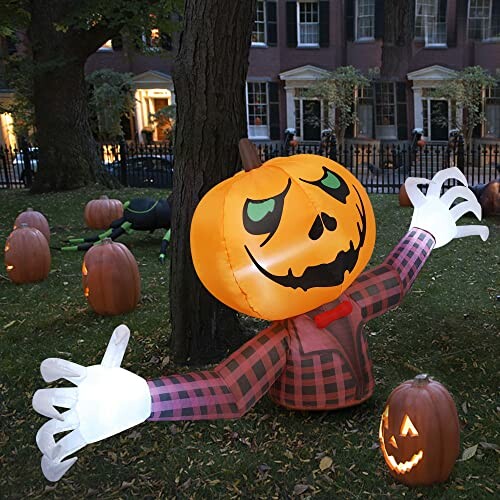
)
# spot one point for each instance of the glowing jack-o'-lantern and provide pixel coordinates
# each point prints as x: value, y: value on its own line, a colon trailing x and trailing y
x: 419, y: 432
x: 281, y: 239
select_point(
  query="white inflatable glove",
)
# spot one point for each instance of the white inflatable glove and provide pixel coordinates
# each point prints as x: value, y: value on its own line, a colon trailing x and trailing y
x: 433, y: 214
x: 106, y: 400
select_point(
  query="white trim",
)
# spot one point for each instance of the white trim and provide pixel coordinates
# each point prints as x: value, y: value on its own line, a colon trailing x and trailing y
x: 422, y: 77
x: 297, y: 76
x: 251, y: 136
x: 264, y: 43
x: 364, y: 38
x: 153, y: 80
x: 299, y: 43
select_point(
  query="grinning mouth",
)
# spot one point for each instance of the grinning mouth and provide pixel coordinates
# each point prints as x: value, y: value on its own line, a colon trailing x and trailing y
x: 402, y: 467
x: 322, y: 275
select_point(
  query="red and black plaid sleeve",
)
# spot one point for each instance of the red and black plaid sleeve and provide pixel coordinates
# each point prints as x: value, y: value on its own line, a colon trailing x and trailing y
x: 229, y: 390
x: 383, y: 287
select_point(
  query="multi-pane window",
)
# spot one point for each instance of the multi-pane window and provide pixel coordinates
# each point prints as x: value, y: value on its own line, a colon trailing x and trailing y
x: 365, y: 112
x: 259, y: 25
x: 385, y: 103
x: 258, y: 110
x: 430, y: 21
x: 492, y: 112
x: 365, y: 19
x: 308, y: 23
x: 484, y: 20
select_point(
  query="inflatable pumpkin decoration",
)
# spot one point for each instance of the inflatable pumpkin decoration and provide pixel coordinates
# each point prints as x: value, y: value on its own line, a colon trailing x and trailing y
x: 27, y: 255
x: 110, y: 278
x: 99, y: 214
x: 419, y: 432
x: 35, y: 219
x: 284, y: 238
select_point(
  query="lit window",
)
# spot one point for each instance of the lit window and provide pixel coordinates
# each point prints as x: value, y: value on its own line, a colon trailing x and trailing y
x: 492, y: 113
x: 430, y: 21
x: 153, y: 41
x: 484, y: 20
x: 308, y: 23
x: 259, y: 25
x: 257, y: 108
x: 106, y: 46
x: 365, y: 19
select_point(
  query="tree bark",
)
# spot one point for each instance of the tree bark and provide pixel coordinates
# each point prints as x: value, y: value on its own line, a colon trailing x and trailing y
x: 399, y: 29
x: 68, y: 154
x: 209, y: 77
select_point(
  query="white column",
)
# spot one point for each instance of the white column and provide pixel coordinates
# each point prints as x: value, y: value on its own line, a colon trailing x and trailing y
x: 172, y: 97
x: 138, y: 114
x: 418, y: 109
x: 290, y: 108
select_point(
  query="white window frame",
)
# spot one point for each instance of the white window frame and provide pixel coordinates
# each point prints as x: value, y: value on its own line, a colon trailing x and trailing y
x: 486, y: 19
x: 428, y: 37
x: 299, y: 42
x: 488, y: 96
x: 389, y: 131
x: 364, y: 38
x: 362, y: 100
x: 263, y: 22
x: 427, y: 97
x: 253, y: 131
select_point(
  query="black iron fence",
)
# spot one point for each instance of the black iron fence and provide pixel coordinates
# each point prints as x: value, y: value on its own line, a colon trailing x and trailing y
x: 381, y: 168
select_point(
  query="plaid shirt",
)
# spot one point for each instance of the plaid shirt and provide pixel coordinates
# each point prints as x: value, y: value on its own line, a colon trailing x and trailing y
x: 301, y: 366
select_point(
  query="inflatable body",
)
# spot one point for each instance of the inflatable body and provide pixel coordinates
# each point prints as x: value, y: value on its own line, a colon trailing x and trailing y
x: 139, y: 214
x: 314, y: 358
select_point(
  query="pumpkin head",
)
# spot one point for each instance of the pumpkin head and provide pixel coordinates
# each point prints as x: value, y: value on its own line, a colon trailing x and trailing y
x: 490, y: 199
x: 404, y: 199
x: 284, y: 238
x: 99, y: 214
x: 419, y: 432
x: 27, y: 255
x: 35, y: 219
x: 110, y: 278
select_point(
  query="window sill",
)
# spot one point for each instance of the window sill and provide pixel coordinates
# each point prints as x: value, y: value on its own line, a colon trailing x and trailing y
x: 364, y: 40
x: 259, y: 45
x: 308, y: 46
x: 259, y: 137
x: 490, y: 40
x: 434, y: 46
x: 104, y: 49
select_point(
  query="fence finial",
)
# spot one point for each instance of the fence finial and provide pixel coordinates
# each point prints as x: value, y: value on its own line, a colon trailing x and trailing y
x: 249, y: 156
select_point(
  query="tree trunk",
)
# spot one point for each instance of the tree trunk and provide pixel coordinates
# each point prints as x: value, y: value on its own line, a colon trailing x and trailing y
x: 209, y: 77
x: 399, y: 30
x: 68, y: 155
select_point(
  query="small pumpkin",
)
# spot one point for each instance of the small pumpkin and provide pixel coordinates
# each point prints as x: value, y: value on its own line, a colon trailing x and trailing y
x: 34, y: 219
x: 490, y: 199
x: 419, y: 432
x: 404, y: 199
x: 27, y: 255
x: 421, y: 143
x: 110, y: 278
x: 284, y: 238
x: 99, y: 214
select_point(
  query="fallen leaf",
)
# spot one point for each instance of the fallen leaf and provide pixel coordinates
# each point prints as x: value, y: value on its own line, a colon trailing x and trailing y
x: 325, y: 463
x: 469, y: 453
x: 489, y: 446
x: 300, y: 488
x: 9, y: 324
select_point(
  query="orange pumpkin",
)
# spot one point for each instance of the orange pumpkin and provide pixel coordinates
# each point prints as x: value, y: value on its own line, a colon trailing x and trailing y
x: 284, y: 238
x: 421, y: 143
x: 99, y: 214
x: 490, y: 199
x: 33, y: 219
x: 404, y: 199
x: 111, y: 280
x: 419, y: 432
x: 27, y: 255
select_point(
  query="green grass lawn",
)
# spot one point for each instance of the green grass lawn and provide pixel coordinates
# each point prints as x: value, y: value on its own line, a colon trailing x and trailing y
x: 448, y: 327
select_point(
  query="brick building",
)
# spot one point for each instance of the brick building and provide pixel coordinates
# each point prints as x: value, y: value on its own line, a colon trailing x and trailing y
x: 295, y: 42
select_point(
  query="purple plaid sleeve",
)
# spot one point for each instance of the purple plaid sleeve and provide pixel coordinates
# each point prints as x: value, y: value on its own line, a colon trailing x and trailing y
x: 383, y: 287
x: 229, y: 390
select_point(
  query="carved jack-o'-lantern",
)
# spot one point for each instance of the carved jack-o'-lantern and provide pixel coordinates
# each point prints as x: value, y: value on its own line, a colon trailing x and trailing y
x: 419, y: 432
x: 283, y: 238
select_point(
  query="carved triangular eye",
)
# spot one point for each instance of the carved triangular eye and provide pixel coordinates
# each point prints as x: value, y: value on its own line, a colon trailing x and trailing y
x: 385, y: 417
x: 408, y: 427
x: 393, y: 442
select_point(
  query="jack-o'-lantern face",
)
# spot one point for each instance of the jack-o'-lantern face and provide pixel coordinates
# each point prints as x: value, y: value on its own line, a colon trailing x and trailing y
x: 401, y: 451
x: 284, y: 238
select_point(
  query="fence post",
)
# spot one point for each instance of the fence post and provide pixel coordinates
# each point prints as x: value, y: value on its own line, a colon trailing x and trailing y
x: 461, y: 153
x: 27, y: 172
x: 333, y: 147
x: 123, y: 162
x: 3, y: 159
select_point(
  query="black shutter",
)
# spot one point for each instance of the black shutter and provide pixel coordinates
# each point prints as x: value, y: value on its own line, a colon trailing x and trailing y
x: 379, y: 19
x: 291, y: 24
x: 451, y: 30
x: 324, y: 23
x: 349, y: 19
x: 401, y: 111
x: 272, y: 25
x: 274, y: 111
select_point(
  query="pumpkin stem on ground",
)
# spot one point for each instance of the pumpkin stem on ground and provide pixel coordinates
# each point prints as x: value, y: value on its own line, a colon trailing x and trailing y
x: 249, y: 156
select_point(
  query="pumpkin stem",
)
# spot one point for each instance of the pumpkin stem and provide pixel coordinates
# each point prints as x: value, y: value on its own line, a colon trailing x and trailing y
x: 29, y: 209
x: 249, y: 156
x: 422, y: 379
x: 106, y: 241
x: 103, y: 197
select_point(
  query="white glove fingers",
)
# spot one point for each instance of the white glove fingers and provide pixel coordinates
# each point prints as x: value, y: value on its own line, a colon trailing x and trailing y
x: 457, y: 192
x: 45, y: 400
x: 45, y: 436
x: 466, y: 206
x: 116, y: 348
x: 67, y: 445
x: 482, y: 231
x: 56, y: 368
x: 413, y: 191
x: 441, y: 177
x: 53, y: 471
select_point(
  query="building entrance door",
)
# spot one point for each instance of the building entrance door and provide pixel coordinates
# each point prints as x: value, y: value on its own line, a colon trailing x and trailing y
x: 312, y: 120
x: 439, y: 120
